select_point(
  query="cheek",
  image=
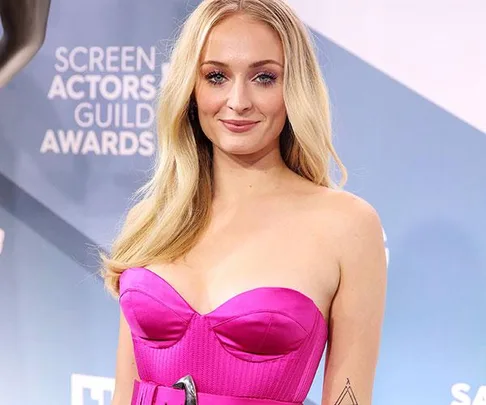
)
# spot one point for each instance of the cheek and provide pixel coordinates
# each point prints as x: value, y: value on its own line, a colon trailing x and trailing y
x: 276, y: 113
x: 271, y: 103
x: 208, y: 101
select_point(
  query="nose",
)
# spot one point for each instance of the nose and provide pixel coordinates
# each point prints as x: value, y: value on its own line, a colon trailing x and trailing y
x: 238, y: 98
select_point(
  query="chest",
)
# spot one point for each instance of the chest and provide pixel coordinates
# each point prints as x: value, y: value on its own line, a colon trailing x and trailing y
x: 251, y: 249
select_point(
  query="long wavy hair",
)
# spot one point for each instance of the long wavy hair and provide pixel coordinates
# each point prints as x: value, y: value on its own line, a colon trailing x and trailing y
x: 174, y: 206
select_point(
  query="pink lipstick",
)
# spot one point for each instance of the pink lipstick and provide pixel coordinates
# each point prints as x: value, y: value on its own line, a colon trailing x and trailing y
x: 239, y: 126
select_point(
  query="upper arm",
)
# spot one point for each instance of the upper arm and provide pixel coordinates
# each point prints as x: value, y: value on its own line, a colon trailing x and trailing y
x: 357, y: 310
x: 126, y: 369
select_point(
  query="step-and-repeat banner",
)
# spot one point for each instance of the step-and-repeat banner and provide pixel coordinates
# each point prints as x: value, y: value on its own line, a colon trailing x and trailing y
x: 408, y: 91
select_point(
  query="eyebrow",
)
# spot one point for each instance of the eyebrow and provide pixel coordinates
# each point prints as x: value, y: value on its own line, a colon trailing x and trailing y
x: 253, y: 65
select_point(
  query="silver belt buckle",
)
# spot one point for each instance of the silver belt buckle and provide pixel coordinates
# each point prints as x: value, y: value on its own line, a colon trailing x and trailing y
x: 187, y: 384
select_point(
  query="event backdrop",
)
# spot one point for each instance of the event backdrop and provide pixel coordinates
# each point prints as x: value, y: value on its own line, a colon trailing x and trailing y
x: 408, y: 91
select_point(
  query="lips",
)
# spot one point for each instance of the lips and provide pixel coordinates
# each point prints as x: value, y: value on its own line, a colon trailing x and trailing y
x: 239, y: 122
x: 239, y: 126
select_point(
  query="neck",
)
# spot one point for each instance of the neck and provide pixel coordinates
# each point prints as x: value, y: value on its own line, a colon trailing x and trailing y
x: 240, y: 178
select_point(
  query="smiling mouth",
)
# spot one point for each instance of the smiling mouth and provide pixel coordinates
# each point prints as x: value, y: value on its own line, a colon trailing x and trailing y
x: 239, y: 126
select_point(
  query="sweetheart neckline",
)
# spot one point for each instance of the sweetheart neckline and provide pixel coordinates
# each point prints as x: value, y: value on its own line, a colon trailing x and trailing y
x: 219, y: 307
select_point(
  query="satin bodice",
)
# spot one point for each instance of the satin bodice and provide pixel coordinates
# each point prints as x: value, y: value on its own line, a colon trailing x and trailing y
x: 263, y: 343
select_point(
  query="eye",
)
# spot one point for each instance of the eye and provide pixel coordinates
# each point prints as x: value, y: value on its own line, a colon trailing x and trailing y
x: 267, y: 78
x: 215, y: 77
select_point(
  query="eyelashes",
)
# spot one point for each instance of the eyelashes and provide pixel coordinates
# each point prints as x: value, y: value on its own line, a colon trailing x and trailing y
x: 217, y: 77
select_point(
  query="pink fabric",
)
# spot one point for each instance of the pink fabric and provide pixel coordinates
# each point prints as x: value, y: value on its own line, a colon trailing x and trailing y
x: 265, y: 343
x: 148, y: 393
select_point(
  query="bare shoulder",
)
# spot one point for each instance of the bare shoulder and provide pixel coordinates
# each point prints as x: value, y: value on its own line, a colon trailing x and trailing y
x: 359, y: 232
x: 355, y: 222
x: 351, y: 208
x: 340, y: 204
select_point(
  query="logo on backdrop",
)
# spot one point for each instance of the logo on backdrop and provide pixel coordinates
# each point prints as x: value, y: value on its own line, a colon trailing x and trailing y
x: 463, y: 394
x: 114, y: 88
x: 97, y: 389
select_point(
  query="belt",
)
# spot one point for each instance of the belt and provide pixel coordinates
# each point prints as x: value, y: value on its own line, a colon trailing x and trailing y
x: 183, y: 392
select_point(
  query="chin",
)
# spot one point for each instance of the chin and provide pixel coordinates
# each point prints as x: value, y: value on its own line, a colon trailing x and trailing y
x: 241, y: 151
x: 242, y: 147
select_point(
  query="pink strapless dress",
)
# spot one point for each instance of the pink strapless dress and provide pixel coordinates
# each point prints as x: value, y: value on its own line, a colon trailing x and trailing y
x: 262, y: 346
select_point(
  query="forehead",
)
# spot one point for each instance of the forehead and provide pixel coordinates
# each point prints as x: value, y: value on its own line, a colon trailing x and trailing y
x: 240, y: 38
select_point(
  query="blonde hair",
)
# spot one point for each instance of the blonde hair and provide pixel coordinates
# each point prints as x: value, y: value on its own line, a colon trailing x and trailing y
x: 175, y: 203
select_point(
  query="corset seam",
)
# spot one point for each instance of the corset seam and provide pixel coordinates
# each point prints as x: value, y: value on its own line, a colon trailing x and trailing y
x: 258, y: 311
x: 314, y: 348
x: 132, y: 289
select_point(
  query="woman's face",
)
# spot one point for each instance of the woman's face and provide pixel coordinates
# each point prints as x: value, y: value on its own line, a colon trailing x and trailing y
x: 239, y: 89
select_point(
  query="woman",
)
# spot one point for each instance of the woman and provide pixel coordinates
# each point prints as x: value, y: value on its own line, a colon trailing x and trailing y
x: 243, y: 259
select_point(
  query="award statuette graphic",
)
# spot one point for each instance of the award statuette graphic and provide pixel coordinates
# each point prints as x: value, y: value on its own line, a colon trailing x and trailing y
x: 24, y: 24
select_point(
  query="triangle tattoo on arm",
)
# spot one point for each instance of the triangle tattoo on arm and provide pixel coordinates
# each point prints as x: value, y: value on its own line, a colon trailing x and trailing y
x: 347, y: 396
